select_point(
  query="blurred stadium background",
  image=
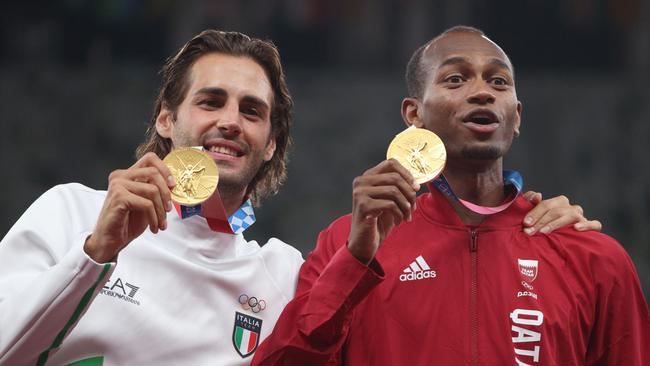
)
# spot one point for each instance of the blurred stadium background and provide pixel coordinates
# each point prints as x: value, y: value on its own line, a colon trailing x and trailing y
x: 78, y: 79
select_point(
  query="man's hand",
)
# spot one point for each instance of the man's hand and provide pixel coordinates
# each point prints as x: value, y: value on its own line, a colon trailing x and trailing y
x: 137, y: 197
x: 382, y: 197
x: 553, y: 213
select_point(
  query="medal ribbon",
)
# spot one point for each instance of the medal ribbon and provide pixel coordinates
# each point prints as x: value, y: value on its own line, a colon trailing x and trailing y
x: 214, y: 213
x: 510, y: 177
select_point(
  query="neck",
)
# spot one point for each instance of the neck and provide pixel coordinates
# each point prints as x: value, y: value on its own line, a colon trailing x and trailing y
x: 231, y: 200
x: 478, y: 182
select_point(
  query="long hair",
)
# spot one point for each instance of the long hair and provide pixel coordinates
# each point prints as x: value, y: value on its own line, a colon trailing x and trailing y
x: 175, y: 85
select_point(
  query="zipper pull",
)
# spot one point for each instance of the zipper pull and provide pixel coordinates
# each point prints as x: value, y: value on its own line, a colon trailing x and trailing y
x: 473, y: 244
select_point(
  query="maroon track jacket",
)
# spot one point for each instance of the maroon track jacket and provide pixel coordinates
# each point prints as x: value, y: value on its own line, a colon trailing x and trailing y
x: 443, y: 293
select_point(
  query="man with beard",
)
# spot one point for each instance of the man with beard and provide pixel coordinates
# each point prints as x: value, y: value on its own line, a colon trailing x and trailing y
x: 438, y: 279
x: 81, y: 280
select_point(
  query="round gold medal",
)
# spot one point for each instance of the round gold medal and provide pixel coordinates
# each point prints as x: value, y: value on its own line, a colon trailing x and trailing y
x: 420, y: 151
x: 195, y: 173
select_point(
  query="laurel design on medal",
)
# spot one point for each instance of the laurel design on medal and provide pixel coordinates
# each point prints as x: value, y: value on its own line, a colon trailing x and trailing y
x: 420, y: 151
x: 195, y: 173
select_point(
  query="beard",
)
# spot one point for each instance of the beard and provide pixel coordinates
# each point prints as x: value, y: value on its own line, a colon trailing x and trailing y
x: 482, y: 152
x: 230, y: 183
x: 233, y: 183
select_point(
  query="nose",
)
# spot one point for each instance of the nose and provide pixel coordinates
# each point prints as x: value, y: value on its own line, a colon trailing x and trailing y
x: 481, y: 95
x: 228, y: 120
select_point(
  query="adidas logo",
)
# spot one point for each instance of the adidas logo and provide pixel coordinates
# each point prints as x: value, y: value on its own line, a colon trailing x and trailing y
x: 417, y: 270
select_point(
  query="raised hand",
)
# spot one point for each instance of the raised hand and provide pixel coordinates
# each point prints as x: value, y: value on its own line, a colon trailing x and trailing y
x: 381, y: 198
x: 137, y: 197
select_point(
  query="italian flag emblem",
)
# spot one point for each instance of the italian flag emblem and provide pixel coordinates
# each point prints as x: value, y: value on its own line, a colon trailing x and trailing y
x: 246, y: 334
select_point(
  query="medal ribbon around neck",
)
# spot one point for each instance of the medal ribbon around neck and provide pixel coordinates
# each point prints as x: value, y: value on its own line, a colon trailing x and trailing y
x: 510, y: 177
x: 196, y: 191
x: 214, y: 213
x: 423, y: 154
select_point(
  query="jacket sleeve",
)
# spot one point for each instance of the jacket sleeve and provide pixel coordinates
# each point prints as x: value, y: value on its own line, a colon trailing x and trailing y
x: 46, y: 280
x: 621, y: 333
x: 313, y: 327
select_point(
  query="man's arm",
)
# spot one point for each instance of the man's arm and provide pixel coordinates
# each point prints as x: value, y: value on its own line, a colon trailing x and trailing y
x: 313, y: 327
x: 621, y: 329
x: 45, y: 277
x: 55, y: 260
x: 341, y: 271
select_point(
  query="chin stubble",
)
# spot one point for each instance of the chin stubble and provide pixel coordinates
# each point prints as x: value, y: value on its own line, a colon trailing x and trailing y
x: 482, y: 153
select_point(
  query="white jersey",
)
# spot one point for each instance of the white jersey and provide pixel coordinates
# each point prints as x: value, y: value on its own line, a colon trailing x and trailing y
x: 172, y: 298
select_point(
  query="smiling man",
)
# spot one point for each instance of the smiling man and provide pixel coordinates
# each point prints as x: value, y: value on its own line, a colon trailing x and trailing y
x: 444, y: 282
x: 83, y: 282
x: 240, y: 141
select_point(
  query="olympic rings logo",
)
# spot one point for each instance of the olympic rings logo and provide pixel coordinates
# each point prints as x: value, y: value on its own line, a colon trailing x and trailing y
x: 252, y: 303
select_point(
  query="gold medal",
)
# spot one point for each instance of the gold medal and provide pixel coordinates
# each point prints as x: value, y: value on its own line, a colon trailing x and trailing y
x: 420, y: 151
x: 195, y: 173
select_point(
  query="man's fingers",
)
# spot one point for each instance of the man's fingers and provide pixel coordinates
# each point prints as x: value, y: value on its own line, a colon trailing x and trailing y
x: 392, y: 165
x: 385, y: 208
x: 366, y: 195
x: 554, y: 213
x: 588, y: 225
x: 533, y: 197
x: 557, y: 218
x: 151, y: 193
x: 137, y: 197
x: 137, y: 204
x: 151, y: 175
x: 392, y: 182
x: 152, y: 160
x: 382, y: 197
x: 541, y: 209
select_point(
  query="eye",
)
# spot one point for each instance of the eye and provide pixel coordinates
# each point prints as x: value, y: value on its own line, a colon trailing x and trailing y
x: 454, y: 79
x: 250, y: 110
x: 499, y: 81
x: 211, y: 103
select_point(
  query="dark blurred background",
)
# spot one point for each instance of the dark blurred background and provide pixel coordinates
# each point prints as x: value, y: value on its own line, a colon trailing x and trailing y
x: 78, y: 79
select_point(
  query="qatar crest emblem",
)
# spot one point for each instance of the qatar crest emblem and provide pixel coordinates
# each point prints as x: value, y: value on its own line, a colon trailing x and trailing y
x: 528, y: 269
x: 246, y: 334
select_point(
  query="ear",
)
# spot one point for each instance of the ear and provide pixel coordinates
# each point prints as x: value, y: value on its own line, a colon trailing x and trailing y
x: 270, y: 149
x: 165, y: 122
x: 520, y: 107
x: 411, y: 112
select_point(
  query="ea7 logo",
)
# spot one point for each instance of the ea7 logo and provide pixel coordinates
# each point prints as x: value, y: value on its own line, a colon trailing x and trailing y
x: 528, y: 269
x: 121, y: 290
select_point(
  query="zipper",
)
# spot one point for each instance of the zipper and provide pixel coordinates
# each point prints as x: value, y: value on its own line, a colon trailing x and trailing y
x: 473, y: 251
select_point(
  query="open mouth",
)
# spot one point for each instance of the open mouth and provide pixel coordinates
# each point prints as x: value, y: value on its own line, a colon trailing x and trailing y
x: 481, y: 117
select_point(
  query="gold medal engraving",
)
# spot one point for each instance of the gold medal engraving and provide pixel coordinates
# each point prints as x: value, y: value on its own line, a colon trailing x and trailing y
x: 420, y: 151
x: 195, y: 173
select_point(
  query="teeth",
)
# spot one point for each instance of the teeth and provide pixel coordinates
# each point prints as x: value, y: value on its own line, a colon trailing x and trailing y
x: 223, y: 150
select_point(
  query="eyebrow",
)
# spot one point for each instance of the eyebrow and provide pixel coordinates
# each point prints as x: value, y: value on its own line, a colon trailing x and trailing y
x: 215, y: 91
x: 462, y: 60
x: 453, y: 61
x: 500, y: 63
x: 212, y: 91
